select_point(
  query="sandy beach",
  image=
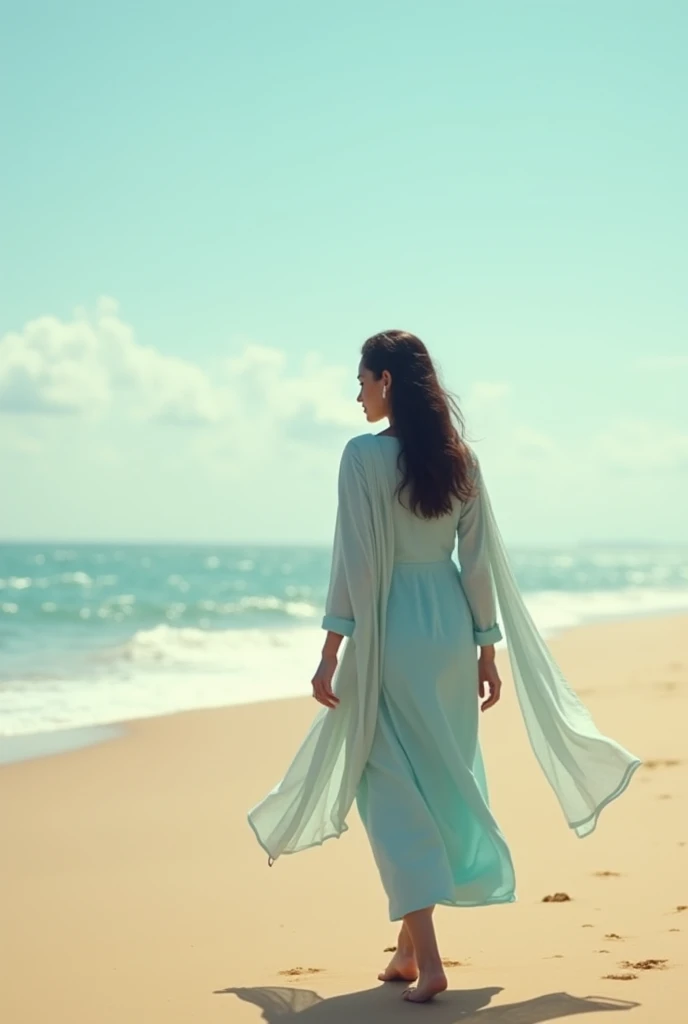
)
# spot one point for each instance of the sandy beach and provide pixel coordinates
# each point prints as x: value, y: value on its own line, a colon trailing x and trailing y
x: 134, y: 891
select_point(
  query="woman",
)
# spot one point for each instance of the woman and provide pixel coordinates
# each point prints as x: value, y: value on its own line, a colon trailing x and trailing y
x: 398, y: 731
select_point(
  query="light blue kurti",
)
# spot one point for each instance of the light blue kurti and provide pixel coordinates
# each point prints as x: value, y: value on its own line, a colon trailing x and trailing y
x: 403, y: 741
x: 423, y: 797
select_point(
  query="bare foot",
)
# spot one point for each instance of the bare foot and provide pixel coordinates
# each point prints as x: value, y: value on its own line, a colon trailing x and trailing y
x: 402, y: 967
x: 429, y: 985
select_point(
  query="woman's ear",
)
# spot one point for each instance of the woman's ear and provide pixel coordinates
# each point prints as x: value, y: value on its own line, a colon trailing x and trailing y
x: 386, y: 378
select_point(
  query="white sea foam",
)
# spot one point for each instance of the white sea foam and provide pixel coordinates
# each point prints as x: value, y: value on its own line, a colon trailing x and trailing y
x: 164, y: 670
x: 556, y: 610
x: 170, y: 668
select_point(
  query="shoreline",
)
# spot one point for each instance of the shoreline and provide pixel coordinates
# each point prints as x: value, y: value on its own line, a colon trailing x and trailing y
x: 23, y: 747
x: 34, y: 746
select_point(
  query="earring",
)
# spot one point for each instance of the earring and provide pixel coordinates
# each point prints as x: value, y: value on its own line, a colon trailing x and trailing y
x: 384, y: 390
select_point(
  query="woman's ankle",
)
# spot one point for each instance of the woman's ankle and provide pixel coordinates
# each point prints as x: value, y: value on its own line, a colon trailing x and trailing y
x: 421, y: 931
x: 405, y: 945
x: 431, y: 964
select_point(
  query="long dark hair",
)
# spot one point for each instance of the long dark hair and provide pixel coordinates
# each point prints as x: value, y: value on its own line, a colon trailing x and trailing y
x: 435, y: 461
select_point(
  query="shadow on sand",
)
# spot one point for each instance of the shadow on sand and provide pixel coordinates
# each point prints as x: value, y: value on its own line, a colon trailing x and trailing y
x: 384, y: 1005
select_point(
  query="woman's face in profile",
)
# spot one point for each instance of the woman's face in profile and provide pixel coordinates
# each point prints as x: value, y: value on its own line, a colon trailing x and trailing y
x: 370, y: 395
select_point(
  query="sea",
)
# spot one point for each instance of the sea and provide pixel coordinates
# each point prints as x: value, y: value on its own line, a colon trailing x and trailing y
x: 94, y: 635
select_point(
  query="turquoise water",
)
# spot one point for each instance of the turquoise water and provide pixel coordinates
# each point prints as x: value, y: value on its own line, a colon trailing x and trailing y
x: 100, y: 633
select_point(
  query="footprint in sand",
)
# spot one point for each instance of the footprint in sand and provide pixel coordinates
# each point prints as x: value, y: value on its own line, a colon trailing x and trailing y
x: 613, y: 935
x: 557, y: 897
x: 607, y: 874
x: 601, y: 950
x: 620, y: 977
x: 681, y: 907
x: 661, y: 762
x: 587, y: 926
x: 674, y: 929
x: 296, y: 972
x: 645, y: 965
x: 389, y: 949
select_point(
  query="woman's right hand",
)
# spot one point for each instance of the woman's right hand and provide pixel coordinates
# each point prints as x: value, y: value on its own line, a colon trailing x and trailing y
x: 488, y: 678
x: 322, y: 681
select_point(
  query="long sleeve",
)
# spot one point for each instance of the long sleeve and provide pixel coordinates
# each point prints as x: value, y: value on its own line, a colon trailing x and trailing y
x: 476, y: 574
x: 350, y: 569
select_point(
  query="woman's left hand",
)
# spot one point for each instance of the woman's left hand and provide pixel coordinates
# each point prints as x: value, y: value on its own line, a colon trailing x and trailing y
x: 322, y: 682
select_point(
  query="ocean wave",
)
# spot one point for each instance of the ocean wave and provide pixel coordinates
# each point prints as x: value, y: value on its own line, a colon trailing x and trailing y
x: 213, y: 650
x: 201, y: 612
x: 168, y: 666
x: 554, y: 610
x: 166, y: 670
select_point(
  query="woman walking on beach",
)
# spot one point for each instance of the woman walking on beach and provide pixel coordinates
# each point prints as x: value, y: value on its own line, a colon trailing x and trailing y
x: 398, y: 732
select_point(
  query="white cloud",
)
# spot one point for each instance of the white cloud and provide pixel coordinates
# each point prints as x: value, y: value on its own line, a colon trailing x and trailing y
x: 318, y: 395
x: 260, y: 405
x: 91, y: 363
x: 52, y: 367
x: 641, y: 446
x: 266, y: 465
x: 498, y: 433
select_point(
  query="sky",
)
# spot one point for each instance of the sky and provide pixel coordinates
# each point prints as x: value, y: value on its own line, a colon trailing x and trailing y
x: 206, y: 208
